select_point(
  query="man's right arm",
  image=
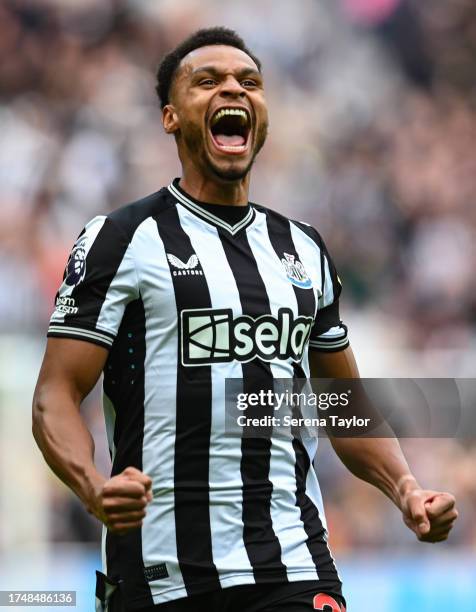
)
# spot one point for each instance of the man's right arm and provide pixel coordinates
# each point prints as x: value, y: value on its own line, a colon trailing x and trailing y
x: 69, y: 371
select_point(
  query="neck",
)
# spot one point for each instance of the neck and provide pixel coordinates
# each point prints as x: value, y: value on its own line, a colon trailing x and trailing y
x: 214, y: 190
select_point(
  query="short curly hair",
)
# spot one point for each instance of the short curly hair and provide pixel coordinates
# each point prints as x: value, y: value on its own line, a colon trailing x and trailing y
x: 201, y: 38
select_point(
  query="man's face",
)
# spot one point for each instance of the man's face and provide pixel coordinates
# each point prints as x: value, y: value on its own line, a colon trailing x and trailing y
x: 218, y: 111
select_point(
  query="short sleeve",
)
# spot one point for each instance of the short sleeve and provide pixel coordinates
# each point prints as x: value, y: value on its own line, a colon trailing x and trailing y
x: 98, y: 282
x: 328, y: 333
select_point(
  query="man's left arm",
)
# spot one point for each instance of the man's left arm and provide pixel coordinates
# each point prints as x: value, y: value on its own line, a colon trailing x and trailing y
x: 380, y: 462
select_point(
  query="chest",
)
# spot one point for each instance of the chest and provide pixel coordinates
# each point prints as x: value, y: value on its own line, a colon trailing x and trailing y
x: 206, y: 268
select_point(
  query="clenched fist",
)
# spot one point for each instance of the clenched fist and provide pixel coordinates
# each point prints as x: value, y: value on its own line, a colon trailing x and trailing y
x: 120, y: 502
x: 430, y: 514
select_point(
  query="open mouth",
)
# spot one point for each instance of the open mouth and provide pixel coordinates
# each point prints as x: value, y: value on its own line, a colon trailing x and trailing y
x: 230, y: 129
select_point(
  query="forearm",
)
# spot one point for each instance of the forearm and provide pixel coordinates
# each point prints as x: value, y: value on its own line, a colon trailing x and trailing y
x: 66, y: 443
x: 378, y: 461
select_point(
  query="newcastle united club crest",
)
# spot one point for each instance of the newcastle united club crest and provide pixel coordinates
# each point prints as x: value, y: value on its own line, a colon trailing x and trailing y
x: 296, y: 272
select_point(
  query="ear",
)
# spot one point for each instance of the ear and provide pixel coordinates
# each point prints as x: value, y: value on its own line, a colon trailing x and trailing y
x: 170, y: 119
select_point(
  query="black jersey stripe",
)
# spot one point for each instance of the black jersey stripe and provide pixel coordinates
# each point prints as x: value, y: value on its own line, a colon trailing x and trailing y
x: 262, y: 545
x: 336, y: 286
x: 316, y: 534
x: 193, y: 424
x: 279, y: 231
x: 316, y: 237
x: 280, y: 236
x: 281, y: 239
x: 102, y: 263
x: 127, y: 392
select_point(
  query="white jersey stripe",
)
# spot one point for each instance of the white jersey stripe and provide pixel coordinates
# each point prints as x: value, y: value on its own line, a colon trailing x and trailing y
x: 158, y: 531
x: 225, y: 455
x: 124, y: 282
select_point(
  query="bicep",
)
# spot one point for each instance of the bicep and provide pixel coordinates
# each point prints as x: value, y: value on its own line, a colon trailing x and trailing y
x: 71, y: 366
x: 340, y: 364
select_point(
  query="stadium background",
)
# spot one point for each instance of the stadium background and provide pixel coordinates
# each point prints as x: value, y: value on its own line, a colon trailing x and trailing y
x: 373, y: 126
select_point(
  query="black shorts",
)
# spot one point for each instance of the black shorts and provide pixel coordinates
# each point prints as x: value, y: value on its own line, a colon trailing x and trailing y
x: 302, y: 596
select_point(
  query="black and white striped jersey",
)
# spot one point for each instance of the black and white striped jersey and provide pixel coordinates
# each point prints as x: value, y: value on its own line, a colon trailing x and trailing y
x: 146, y: 282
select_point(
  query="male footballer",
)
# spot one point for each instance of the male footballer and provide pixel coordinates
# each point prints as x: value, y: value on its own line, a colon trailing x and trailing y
x: 168, y: 297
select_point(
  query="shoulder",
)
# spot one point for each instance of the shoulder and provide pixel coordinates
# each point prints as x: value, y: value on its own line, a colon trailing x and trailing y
x: 276, y: 219
x: 129, y: 217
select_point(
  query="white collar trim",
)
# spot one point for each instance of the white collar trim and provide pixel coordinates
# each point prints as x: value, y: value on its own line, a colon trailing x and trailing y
x: 210, y: 217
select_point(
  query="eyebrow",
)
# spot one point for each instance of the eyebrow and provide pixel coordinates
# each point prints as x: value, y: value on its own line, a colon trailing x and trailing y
x: 212, y: 70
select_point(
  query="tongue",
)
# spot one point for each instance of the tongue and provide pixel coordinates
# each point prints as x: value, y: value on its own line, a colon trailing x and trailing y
x: 230, y: 141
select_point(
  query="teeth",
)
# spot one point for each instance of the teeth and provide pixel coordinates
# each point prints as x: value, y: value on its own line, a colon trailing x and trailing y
x: 230, y: 111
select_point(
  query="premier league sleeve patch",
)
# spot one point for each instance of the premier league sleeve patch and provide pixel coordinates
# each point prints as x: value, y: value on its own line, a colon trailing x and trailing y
x: 76, y: 267
x: 100, y: 265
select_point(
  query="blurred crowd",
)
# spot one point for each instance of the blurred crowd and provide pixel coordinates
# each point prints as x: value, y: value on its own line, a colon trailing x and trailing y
x: 373, y: 124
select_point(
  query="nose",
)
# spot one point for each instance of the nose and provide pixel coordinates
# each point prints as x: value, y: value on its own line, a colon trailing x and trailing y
x: 232, y: 88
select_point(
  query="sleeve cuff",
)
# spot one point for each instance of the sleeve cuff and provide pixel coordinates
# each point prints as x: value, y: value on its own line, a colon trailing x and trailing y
x: 334, y: 339
x: 95, y: 336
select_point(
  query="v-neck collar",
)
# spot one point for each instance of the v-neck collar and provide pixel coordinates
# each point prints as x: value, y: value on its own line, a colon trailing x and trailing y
x: 195, y: 207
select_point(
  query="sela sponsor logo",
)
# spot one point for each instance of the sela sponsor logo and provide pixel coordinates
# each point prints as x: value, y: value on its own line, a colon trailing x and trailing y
x: 184, y: 269
x: 66, y: 305
x: 295, y: 271
x: 216, y: 336
x: 76, y: 266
